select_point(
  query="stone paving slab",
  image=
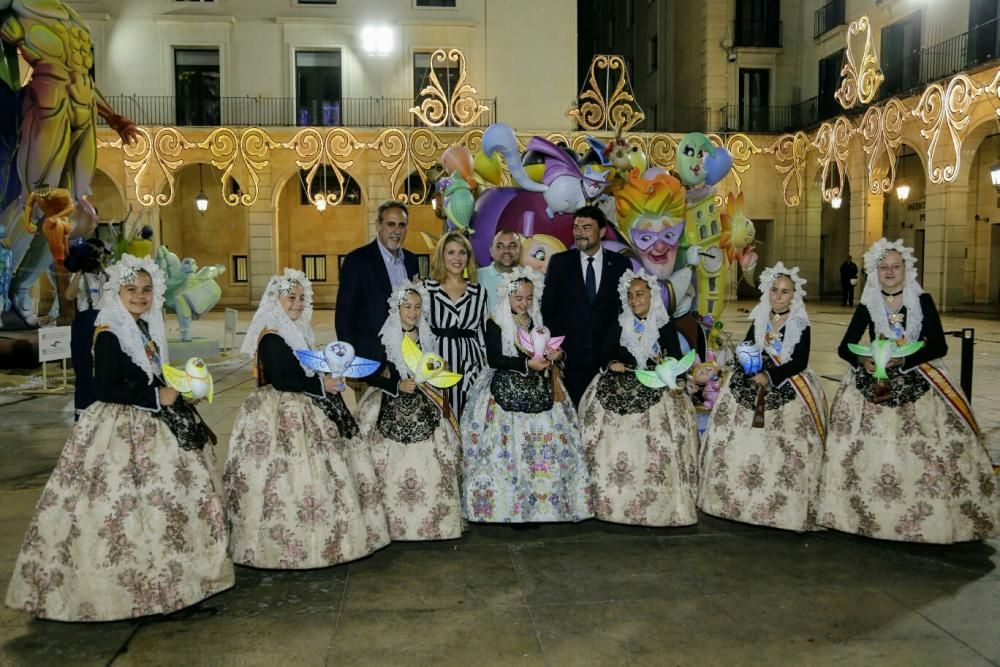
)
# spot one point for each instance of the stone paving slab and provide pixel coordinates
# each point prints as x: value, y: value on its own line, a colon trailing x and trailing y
x: 719, y: 593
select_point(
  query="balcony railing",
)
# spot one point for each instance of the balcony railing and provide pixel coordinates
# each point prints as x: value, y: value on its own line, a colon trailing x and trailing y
x: 765, y: 34
x: 740, y: 118
x: 277, y: 111
x: 962, y: 52
x: 828, y: 17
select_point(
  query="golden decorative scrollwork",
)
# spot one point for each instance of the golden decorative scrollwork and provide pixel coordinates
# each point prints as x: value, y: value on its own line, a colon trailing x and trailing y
x: 858, y: 84
x: 941, y: 109
x: 832, y: 141
x: 661, y: 151
x: 600, y: 109
x: 742, y: 148
x: 246, y: 154
x: 159, y: 152
x: 335, y: 149
x: 789, y: 151
x: 882, y: 131
x: 404, y: 153
x: 943, y: 115
x: 440, y: 107
x: 473, y: 140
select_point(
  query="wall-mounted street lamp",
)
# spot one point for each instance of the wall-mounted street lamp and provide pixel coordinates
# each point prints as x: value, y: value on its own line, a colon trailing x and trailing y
x: 903, y: 191
x: 201, y: 201
x: 995, y: 175
x: 836, y: 203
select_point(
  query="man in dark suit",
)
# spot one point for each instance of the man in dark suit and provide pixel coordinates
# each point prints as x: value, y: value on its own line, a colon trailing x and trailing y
x: 848, y: 279
x: 368, y: 276
x: 581, y: 297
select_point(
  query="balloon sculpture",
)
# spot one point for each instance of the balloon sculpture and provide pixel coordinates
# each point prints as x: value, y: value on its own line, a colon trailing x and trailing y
x: 191, y: 292
x: 674, y: 225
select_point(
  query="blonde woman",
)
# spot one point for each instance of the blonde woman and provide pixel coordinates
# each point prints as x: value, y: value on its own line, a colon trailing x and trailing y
x: 457, y: 311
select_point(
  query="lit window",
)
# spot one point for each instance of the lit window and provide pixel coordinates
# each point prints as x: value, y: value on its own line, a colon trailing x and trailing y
x: 314, y: 266
x: 240, y: 273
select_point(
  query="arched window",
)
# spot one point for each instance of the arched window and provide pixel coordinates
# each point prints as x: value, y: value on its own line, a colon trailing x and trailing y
x: 325, y: 180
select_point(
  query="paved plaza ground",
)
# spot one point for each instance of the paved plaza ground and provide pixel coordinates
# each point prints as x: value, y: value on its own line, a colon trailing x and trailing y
x: 718, y: 593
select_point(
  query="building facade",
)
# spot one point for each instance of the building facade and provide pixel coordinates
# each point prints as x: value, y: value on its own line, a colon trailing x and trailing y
x: 199, y: 75
x: 297, y: 105
x: 772, y: 67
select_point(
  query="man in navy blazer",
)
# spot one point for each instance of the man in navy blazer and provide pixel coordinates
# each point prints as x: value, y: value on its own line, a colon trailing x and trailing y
x: 581, y: 297
x: 368, y: 276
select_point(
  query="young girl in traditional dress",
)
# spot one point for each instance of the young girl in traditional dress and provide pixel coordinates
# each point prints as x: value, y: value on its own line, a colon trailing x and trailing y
x: 456, y: 306
x: 412, y: 431
x: 769, y: 476
x: 641, y: 443
x: 904, y: 460
x: 523, y: 460
x: 301, y: 490
x: 131, y: 522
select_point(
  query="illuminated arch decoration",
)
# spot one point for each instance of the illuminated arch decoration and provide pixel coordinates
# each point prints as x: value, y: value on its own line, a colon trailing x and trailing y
x: 600, y: 107
x: 940, y: 116
x: 859, y: 84
x: 437, y: 106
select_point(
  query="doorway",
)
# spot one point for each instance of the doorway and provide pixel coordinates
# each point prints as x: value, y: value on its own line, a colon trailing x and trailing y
x: 755, y: 89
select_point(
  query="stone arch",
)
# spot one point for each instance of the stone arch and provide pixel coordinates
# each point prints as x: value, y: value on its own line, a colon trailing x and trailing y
x: 980, y: 151
x: 312, y: 240
x: 108, y: 196
x: 834, y: 239
x: 220, y: 235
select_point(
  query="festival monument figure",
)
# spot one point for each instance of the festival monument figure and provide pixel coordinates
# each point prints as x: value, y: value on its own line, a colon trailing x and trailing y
x: 672, y: 225
x: 191, y: 292
x: 57, y: 143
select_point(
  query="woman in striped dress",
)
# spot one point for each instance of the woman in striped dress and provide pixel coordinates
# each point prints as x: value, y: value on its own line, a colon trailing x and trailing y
x: 457, y: 313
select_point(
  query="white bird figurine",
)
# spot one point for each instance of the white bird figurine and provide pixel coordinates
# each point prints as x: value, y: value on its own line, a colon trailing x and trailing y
x: 666, y: 372
x: 194, y: 382
x: 337, y: 359
x: 538, y: 341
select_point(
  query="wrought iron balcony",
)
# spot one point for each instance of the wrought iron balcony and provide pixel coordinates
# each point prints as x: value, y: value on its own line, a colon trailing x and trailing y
x: 763, y: 34
x: 745, y: 118
x: 969, y: 50
x: 276, y: 111
x: 828, y: 17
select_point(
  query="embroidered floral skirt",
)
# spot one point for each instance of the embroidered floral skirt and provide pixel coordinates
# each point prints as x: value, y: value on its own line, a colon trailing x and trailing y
x: 129, y: 524
x: 417, y: 464
x: 299, y: 494
x: 521, y: 467
x: 915, y: 473
x: 642, y: 451
x: 765, y: 476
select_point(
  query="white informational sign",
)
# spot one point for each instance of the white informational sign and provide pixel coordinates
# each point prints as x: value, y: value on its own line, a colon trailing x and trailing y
x: 53, y: 344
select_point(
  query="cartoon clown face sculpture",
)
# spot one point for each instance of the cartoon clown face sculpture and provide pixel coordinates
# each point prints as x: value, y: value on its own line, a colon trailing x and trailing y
x: 655, y: 241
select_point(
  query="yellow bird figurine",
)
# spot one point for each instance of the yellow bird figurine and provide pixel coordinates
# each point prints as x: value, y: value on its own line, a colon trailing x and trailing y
x: 426, y: 367
x: 194, y: 382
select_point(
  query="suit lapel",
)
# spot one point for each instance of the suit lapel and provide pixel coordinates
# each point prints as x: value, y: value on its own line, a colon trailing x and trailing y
x: 381, y: 273
x: 606, y: 277
x: 579, y: 280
